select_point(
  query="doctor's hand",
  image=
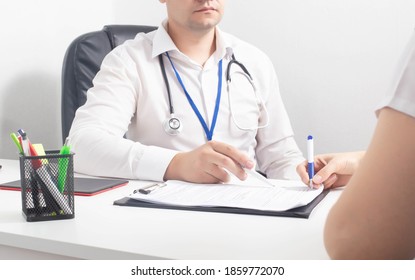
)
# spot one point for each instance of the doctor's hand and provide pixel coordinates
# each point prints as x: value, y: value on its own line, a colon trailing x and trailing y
x: 207, y: 164
x: 332, y: 170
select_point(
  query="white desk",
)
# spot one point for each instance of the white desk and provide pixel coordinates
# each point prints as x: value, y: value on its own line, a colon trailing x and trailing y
x: 101, y: 230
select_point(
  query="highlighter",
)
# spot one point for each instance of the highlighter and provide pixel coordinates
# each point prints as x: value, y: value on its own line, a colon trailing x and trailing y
x: 63, y: 165
x: 17, y: 142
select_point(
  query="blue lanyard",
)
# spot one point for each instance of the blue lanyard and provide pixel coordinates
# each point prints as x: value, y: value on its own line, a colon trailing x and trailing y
x: 209, y: 132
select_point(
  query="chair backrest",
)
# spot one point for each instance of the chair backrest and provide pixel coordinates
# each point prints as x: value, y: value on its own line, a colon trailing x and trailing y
x: 82, y: 61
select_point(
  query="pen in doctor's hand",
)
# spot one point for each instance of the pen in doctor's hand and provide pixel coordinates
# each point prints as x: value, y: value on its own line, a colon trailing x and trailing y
x: 258, y: 176
x: 310, y: 159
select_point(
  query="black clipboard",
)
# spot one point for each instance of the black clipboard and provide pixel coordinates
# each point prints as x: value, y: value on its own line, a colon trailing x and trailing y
x: 82, y: 186
x: 299, y: 212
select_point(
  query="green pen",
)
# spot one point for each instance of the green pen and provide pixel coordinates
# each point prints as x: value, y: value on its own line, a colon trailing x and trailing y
x: 63, y: 165
x: 16, y: 141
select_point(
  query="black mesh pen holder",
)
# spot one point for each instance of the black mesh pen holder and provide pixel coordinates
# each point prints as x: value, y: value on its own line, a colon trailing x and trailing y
x: 47, y: 183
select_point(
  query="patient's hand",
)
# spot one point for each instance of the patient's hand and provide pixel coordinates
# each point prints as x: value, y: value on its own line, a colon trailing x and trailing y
x: 333, y: 170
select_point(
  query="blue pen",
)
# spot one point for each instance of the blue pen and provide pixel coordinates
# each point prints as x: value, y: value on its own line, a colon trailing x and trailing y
x: 310, y: 159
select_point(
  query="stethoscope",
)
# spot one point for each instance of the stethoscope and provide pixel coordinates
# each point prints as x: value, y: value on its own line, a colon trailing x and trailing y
x: 173, y: 126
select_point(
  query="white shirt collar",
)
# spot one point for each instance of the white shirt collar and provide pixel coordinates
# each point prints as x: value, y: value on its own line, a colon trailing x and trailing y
x: 162, y: 43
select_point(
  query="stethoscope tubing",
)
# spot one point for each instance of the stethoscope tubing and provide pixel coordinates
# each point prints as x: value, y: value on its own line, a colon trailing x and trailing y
x: 174, y: 130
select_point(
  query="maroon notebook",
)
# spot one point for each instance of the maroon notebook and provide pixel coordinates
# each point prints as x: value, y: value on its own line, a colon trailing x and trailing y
x: 82, y: 186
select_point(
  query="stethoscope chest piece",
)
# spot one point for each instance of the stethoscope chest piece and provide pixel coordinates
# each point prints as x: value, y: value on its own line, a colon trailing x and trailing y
x: 172, y: 125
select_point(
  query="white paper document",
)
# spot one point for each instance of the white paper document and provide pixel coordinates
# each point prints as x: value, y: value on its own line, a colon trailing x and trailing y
x: 260, y: 197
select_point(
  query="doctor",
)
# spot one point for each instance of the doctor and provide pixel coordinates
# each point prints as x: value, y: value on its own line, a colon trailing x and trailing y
x: 193, y: 101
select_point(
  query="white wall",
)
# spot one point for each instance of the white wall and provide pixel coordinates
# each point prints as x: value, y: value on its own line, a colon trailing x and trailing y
x: 334, y: 59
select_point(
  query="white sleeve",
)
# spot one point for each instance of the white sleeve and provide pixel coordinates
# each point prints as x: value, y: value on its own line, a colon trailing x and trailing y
x: 400, y: 95
x: 96, y: 135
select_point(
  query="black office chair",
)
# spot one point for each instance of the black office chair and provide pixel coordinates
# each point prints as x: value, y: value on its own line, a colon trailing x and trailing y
x: 82, y: 62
